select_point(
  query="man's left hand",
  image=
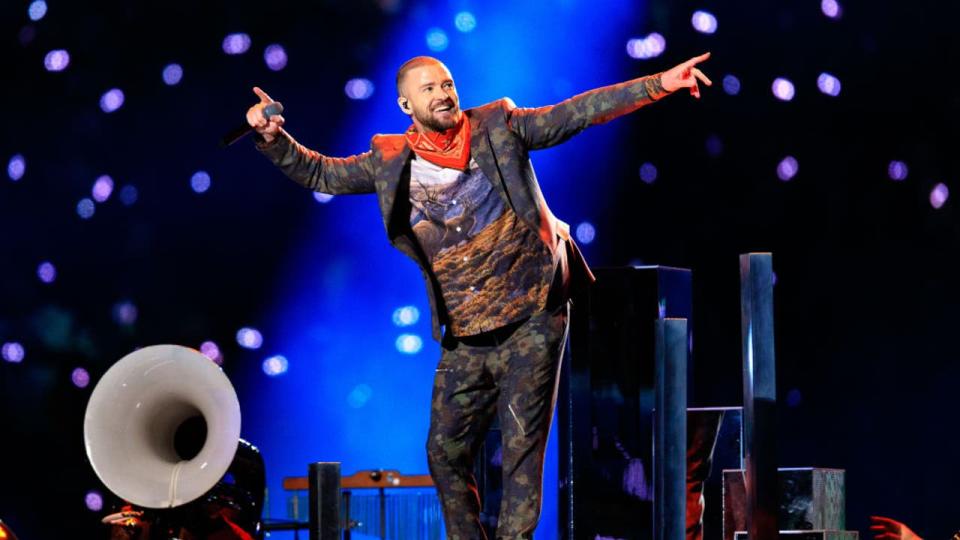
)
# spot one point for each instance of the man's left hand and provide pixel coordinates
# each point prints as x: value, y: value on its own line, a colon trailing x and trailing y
x: 686, y: 75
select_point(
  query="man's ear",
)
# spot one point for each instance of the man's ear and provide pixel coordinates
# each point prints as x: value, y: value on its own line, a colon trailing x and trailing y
x: 404, y: 105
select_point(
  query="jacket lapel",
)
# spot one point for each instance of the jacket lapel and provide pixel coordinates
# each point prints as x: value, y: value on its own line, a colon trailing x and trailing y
x: 481, y: 150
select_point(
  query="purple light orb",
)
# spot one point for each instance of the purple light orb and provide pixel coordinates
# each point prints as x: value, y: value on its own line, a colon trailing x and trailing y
x: 787, y: 168
x: 12, y: 352
x: 125, y: 313
x: 794, y: 397
x: 704, y: 22
x: 86, y: 208
x: 731, y: 85
x: 939, y: 195
x: 322, y: 198
x: 102, y: 188
x: 437, y: 40
x: 94, y: 501
x: 648, y: 47
x: 128, y: 195
x: 56, y: 60
x: 275, y: 365
x: 111, y: 100
x: 80, y: 377
x: 714, y: 146
x: 648, y: 173
x: 783, y: 89
x: 898, y: 171
x: 831, y: 8
x: 409, y: 343
x: 828, y: 84
x: 586, y: 232
x: 47, y: 272
x: 200, y: 181
x: 358, y: 88
x: 37, y: 10
x: 249, y: 338
x: 16, y: 167
x: 275, y: 57
x: 211, y: 351
x: 238, y: 43
x: 172, y: 74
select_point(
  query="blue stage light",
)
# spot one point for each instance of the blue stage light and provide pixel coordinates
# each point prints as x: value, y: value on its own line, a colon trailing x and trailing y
x: 102, y: 188
x: 648, y: 173
x: 211, y: 351
x: 200, y: 181
x: 238, y: 43
x: 275, y: 365
x: 85, y: 208
x: 322, y: 198
x: 16, y: 167
x: 437, y: 40
x: 731, y: 85
x: 128, y: 195
x: 275, y: 56
x: 783, y: 89
x: 586, y: 233
x: 359, y: 396
x: 828, y: 84
x: 56, y: 60
x: 714, y: 145
x: 939, y: 195
x: 111, y: 100
x: 406, y: 316
x: 898, y: 171
x: 172, y: 74
x: 787, y: 168
x: 648, y: 47
x: 465, y: 21
x: 358, y: 88
x: 80, y: 377
x: 37, y: 10
x: 94, y: 501
x: 831, y: 9
x: 704, y: 22
x: 249, y: 338
x: 47, y: 272
x: 12, y: 352
x: 125, y: 313
x: 409, y: 343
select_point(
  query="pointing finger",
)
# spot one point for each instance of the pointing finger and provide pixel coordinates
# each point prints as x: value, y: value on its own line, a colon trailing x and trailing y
x: 262, y: 95
x: 697, y: 59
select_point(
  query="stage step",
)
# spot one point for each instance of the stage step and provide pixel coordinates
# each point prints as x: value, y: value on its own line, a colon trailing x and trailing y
x: 811, y: 499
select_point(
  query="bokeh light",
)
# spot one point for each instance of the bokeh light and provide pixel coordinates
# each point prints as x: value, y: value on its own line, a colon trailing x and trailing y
x: 86, y: 208
x: 172, y: 74
x: 783, y: 89
x: 437, y: 40
x: 249, y: 338
x: 898, y: 171
x: 276, y: 365
x: 102, y: 188
x: 648, y: 47
x: 831, y: 8
x: 47, y: 272
x: 714, y: 145
x: 731, y: 85
x: 125, y: 313
x: 212, y: 351
x: 37, y: 10
x: 465, y: 21
x: 939, y: 195
x: 322, y: 198
x: 358, y: 88
x: 704, y: 22
x: 128, y: 195
x: 828, y: 84
x: 409, y: 343
x: 56, y: 60
x: 648, y: 173
x: 94, y: 501
x: 16, y: 167
x: 359, y: 396
x: 787, y: 168
x: 406, y: 316
x: 200, y: 181
x: 236, y: 43
x: 12, y: 352
x: 80, y: 377
x: 111, y: 100
x: 794, y: 397
x: 586, y: 232
x: 275, y: 56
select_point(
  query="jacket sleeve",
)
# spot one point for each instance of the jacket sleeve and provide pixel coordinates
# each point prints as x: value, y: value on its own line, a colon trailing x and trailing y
x: 543, y: 127
x: 313, y: 170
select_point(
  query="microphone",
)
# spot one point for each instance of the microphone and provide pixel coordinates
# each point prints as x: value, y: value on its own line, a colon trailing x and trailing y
x: 238, y: 132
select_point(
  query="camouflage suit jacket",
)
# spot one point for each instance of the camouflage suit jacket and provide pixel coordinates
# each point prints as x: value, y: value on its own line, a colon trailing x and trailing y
x: 502, y: 137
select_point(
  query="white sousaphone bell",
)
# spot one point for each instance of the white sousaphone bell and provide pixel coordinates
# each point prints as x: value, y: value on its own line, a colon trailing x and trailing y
x: 133, y: 419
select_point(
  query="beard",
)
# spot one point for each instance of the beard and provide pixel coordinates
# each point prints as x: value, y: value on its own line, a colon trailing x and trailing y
x: 433, y: 123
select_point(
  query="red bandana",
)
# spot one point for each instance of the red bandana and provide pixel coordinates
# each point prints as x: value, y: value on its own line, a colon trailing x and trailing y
x: 450, y: 148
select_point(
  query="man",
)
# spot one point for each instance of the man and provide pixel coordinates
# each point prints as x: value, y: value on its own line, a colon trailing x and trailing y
x: 458, y: 194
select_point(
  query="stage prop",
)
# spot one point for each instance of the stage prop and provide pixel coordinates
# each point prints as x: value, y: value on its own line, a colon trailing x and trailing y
x: 162, y: 432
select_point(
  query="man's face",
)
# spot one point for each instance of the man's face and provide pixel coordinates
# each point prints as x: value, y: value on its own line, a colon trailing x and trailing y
x: 430, y: 97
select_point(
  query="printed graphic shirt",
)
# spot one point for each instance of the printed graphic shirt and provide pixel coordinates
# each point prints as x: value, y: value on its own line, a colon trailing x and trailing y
x: 492, y: 268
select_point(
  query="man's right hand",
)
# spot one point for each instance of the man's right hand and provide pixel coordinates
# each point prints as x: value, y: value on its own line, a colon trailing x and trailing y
x: 268, y: 129
x: 884, y: 528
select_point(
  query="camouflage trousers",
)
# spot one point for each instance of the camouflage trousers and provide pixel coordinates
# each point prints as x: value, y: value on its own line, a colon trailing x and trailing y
x: 513, y: 376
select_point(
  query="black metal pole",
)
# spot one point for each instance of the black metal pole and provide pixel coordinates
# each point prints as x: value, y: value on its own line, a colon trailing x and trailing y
x: 324, y: 489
